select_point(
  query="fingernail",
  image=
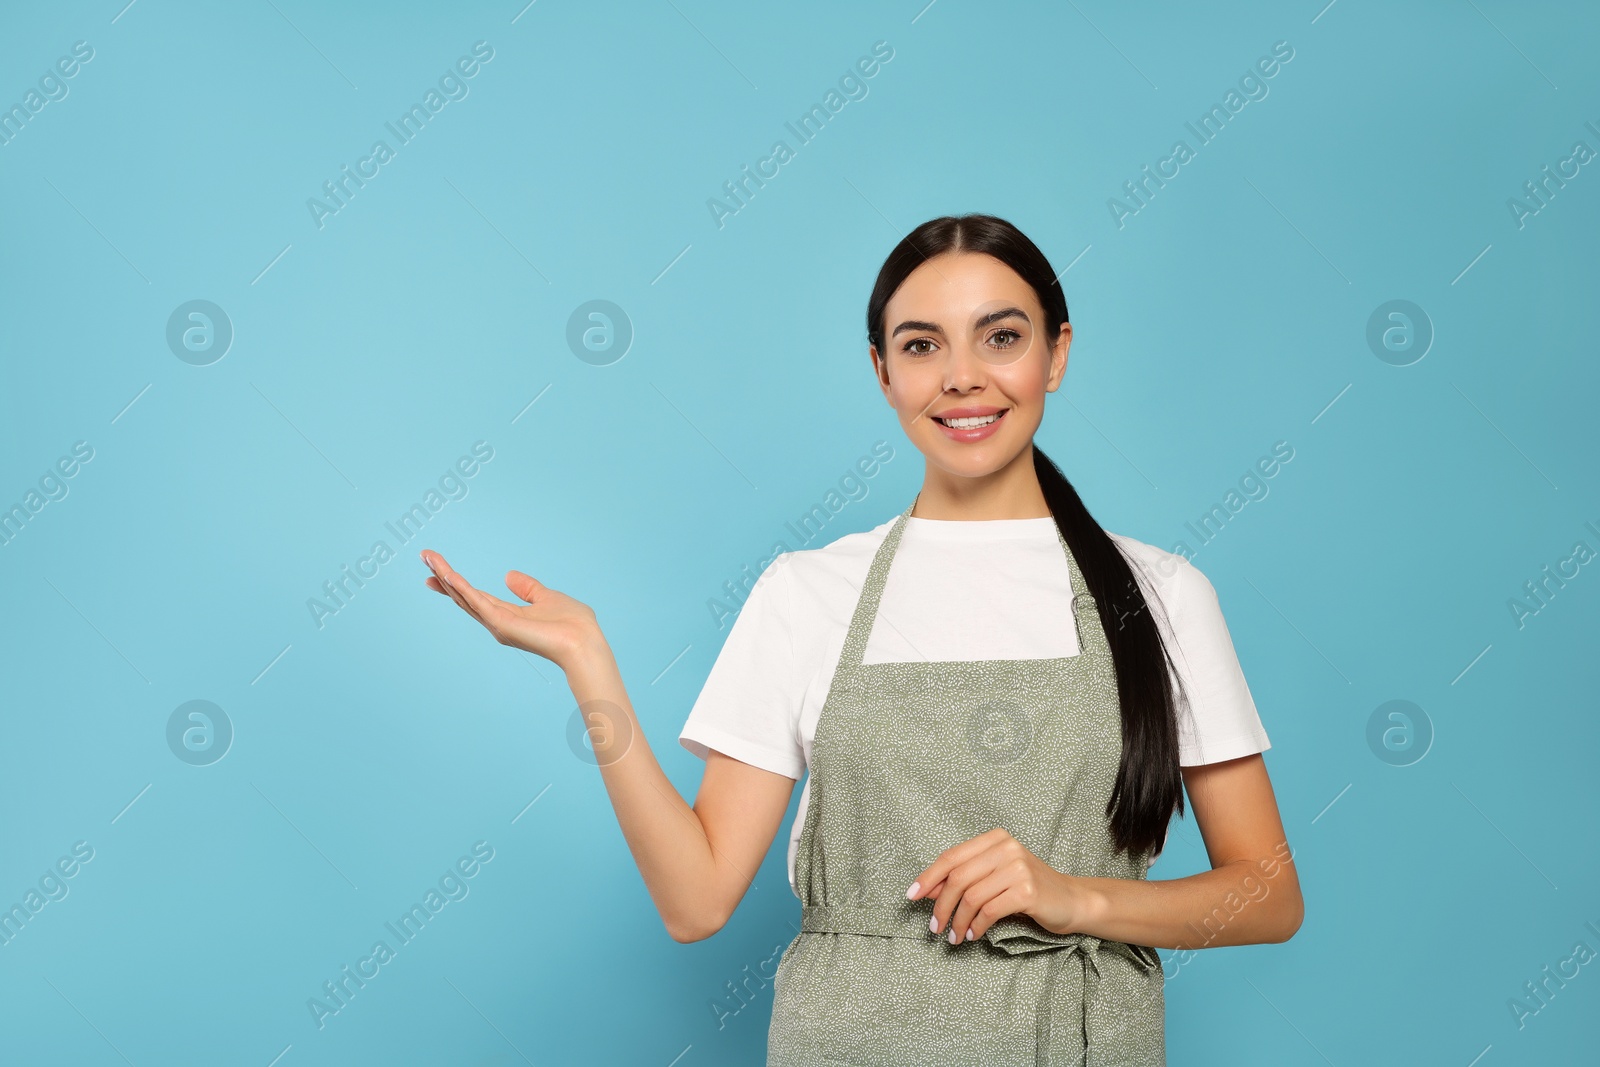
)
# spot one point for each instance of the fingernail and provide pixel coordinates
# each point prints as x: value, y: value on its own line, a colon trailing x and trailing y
x: 912, y: 892
x: 969, y: 933
x: 933, y: 925
x: 955, y: 938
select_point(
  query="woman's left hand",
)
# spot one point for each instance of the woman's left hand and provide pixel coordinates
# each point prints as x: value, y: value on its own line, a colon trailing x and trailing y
x: 978, y: 882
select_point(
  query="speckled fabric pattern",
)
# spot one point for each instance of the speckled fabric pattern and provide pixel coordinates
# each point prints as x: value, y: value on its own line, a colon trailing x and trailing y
x: 908, y: 760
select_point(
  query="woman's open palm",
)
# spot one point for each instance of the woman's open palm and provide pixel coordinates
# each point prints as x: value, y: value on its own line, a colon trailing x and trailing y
x: 551, y: 624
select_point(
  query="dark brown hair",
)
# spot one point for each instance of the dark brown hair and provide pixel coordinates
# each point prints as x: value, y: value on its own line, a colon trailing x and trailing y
x: 1149, y: 786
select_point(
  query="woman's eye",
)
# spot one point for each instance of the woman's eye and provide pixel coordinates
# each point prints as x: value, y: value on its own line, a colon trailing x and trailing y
x: 1006, y: 338
x: 912, y: 348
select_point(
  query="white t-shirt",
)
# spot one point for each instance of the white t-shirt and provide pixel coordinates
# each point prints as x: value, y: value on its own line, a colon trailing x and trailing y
x: 764, y: 694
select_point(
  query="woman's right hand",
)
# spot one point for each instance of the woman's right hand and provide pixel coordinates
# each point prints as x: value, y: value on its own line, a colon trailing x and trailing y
x: 551, y: 624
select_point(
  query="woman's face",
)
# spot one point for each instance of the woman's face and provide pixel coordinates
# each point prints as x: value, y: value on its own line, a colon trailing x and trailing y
x: 964, y: 335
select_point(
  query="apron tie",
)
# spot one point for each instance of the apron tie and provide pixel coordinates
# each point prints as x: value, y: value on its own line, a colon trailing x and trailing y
x: 1012, y: 934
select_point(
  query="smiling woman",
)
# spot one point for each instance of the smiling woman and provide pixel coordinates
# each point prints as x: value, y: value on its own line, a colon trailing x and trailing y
x: 997, y: 706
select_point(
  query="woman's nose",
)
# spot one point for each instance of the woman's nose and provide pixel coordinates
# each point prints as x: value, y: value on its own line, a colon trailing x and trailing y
x: 963, y: 367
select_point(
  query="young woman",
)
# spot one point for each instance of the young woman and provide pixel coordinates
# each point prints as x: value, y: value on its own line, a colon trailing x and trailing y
x: 999, y: 705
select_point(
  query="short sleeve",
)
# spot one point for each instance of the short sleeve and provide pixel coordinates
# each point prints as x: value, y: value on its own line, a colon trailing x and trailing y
x: 1222, y: 722
x: 749, y: 707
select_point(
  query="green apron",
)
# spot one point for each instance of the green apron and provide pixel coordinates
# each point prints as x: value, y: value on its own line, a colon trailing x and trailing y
x: 910, y: 759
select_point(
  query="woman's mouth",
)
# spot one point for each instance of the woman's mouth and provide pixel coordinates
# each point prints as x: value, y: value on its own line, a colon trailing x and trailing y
x: 975, y: 428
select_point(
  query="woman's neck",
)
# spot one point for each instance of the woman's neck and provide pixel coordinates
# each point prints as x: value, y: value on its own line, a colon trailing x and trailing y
x: 1010, y: 493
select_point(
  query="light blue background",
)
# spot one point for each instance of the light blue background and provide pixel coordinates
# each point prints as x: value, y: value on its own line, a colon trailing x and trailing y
x: 1228, y: 314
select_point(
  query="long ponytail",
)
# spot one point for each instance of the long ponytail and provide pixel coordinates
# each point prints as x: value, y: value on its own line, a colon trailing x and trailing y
x: 1149, y: 786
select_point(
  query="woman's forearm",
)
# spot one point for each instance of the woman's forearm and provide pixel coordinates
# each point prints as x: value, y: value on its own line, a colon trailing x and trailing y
x: 1244, y: 902
x: 666, y: 837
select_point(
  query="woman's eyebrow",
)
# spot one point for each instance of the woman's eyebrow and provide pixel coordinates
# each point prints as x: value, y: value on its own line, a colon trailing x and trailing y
x: 934, y: 327
x: 916, y: 324
x: 1003, y: 313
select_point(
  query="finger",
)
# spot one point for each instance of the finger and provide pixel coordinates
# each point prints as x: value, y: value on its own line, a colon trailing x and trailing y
x: 970, y: 920
x: 436, y: 565
x: 487, y: 608
x: 442, y: 579
x: 475, y: 602
x: 526, y: 586
x: 936, y: 872
x: 483, y: 603
x: 460, y: 591
x: 1007, y: 902
x: 433, y: 583
x: 441, y: 569
x: 955, y: 888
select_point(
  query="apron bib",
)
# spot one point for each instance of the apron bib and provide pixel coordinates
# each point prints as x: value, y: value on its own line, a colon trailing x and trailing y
x: 910, y: 759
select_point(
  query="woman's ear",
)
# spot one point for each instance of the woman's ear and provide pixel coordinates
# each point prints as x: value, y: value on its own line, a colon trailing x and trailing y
x: 1058, y: 357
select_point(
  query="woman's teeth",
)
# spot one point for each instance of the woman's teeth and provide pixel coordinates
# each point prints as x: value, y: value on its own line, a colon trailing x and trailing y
x: 968, y: 424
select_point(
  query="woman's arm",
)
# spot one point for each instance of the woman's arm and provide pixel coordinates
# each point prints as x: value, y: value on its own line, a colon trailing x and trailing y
x: 697, y: 861
x: 1251, y: 894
